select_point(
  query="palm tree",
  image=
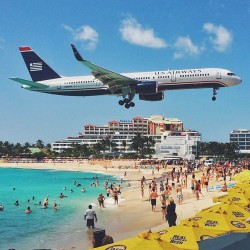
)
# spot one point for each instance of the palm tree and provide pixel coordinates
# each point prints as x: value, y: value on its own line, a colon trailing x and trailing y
x: 137, y: 143
x: 40, y: 144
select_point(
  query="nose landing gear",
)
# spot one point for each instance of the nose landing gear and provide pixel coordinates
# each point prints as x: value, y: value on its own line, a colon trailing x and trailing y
x: 214, y: 93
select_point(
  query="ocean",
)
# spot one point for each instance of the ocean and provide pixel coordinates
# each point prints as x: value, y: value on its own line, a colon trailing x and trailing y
x: 47, y: 228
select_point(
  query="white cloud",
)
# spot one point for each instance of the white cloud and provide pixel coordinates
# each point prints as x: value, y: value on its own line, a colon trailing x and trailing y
x: 134, y: 33
x: 220, y: 37
x: 84, y: 34
x: 184, y: 46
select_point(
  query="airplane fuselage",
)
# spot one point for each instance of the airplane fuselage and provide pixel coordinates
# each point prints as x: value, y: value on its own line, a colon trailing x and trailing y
x: 150, y: 86
x: 167, y: 80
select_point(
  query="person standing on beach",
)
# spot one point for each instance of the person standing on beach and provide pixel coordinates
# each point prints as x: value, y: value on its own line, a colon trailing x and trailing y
x: 197, y: 189
x: 179, y: 194
x: 152, y: 198
x: 115, y: 196
x: 171, y: 215
x: 101, y: 199
x: 91, y: 217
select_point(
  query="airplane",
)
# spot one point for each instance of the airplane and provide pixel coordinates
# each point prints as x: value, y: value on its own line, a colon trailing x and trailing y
x: 150, y: 86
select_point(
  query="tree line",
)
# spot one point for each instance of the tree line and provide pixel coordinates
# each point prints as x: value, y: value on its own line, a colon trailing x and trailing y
x: 142, y: 146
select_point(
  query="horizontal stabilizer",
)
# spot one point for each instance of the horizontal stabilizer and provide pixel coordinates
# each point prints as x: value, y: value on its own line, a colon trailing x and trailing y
x: 29, y: 83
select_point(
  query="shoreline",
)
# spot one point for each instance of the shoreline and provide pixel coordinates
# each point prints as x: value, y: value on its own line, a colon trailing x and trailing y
x: 133, y: 215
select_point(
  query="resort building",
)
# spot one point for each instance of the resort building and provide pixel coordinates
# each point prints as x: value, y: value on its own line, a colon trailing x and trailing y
x: 178, y: 145
x: 121, y: 133
x: 242, y: 138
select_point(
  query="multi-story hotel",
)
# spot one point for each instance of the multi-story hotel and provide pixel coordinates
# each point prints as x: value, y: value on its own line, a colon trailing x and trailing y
x: 242, y: 138
x: 121, y: 133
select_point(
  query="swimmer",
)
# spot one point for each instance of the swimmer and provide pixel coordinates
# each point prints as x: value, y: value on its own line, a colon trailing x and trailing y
x: 61, y: 195
x: 17, y: 203
x: 56, y: 207
x: 83, y: 190
x: 45, y: 205
x: 28, y: 210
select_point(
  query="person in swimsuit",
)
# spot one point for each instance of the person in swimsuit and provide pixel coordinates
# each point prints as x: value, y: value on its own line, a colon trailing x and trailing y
x: 152, y: 198
x: 179, y: 194
x: 101, y: 199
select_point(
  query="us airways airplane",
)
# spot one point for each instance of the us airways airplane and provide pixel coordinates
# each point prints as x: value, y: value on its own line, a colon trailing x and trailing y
x: 150, y: 86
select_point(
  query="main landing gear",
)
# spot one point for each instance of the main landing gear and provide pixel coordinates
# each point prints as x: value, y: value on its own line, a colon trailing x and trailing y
x: 128, y: 103
x: 214, y: 94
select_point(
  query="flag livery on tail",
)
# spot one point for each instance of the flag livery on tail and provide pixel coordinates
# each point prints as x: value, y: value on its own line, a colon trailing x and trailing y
x: 38, y: 69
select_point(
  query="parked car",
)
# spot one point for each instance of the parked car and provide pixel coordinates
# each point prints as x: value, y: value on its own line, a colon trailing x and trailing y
x: 208, y: 162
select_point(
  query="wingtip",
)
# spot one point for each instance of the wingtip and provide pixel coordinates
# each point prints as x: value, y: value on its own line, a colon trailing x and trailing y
x: 76, y: 53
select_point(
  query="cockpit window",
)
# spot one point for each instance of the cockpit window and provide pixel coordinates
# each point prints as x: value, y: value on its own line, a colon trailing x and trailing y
x: 231, y: 74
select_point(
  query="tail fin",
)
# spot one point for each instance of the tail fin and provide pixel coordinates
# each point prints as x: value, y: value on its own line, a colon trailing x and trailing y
x: 38, y: 69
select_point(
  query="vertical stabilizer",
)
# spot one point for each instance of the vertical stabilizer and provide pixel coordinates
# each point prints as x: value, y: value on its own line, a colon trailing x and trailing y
x: 38, y: 69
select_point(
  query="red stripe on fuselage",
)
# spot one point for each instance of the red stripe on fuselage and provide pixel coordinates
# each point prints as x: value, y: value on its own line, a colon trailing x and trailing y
x: 25, y: 48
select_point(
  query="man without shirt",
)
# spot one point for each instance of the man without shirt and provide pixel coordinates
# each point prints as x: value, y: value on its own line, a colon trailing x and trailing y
x: 152, y: 198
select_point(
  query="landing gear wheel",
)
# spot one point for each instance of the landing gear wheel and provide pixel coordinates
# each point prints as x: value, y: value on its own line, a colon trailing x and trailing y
x: 214, y: 98
x: 127, y: 105
x: 121, y: 102
x: 132, y: 104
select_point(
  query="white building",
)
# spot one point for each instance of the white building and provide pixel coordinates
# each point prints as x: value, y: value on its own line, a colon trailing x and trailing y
x: 182, y: 145
x: 242, y: 138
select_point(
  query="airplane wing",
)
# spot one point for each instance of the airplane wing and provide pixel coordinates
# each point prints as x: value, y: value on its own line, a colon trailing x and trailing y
x: 29, y: 83
x: 107, y: 77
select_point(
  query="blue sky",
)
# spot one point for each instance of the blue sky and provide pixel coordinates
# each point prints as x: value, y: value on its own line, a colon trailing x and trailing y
x: 123, y: 36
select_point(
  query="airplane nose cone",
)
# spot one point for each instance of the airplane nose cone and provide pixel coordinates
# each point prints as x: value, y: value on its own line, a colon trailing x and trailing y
x: 239, y: 80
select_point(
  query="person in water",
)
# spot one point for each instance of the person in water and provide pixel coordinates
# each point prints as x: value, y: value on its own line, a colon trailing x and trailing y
x: 28, y: 210
x: 61, y: 195
x: 17, y: 203
x: 56, y: 207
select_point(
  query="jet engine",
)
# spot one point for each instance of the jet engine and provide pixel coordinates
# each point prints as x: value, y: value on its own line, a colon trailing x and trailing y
x: 149, y: 87
x: 152, y: 97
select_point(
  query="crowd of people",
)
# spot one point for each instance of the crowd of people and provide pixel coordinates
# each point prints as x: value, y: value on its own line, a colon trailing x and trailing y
x: 169, y: 187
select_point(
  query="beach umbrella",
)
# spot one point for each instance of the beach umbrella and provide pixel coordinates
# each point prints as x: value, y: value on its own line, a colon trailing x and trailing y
x: 245, y: 192
x: 199, y: 232
x: 244, y: 175
x: 232, y: 211
x: 219, y: 198
x: 139, y: 243
x: 180, y: 237
x: 237, y: 198
x: 219, y: 222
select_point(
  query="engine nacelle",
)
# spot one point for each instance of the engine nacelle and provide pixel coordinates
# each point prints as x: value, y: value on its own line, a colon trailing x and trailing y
x: 149, y: 87
x: 152, y: 97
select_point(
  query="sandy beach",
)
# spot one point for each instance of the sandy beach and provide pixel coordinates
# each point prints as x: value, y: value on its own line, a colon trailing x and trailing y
x: 133, y: 215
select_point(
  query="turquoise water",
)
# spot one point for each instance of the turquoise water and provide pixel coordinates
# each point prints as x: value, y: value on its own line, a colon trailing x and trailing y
x: 44, y: 228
